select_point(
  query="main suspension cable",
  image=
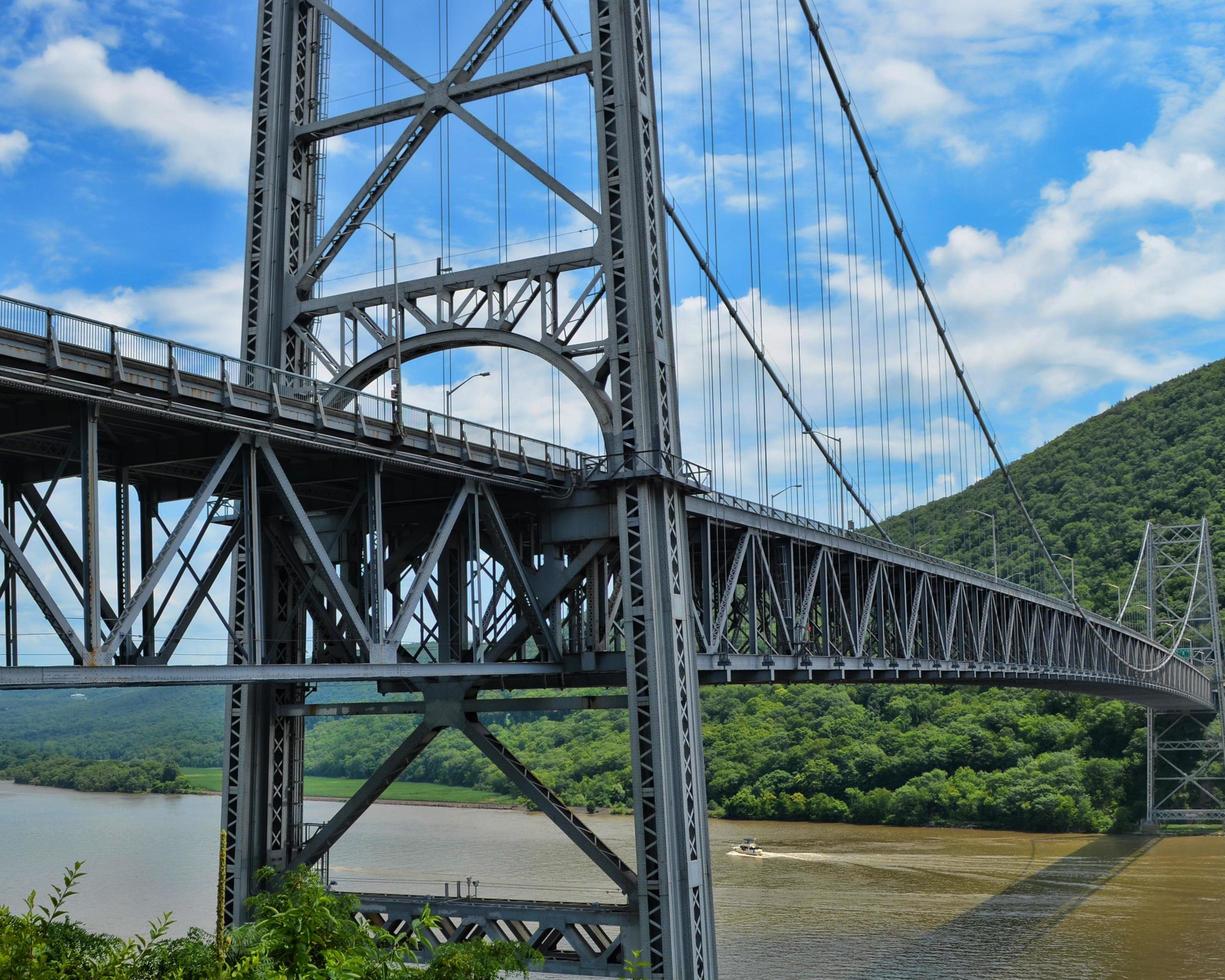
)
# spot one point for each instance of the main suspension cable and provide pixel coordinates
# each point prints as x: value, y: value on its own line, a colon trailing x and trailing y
x: 814, y: 28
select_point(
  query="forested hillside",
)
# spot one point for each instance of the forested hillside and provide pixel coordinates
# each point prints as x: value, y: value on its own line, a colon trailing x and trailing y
x: 1159, y: 456
x: 183, y: 724
x: 911, y: 755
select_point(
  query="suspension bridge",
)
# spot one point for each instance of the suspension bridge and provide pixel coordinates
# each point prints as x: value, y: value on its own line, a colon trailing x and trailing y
x: 674, y: 245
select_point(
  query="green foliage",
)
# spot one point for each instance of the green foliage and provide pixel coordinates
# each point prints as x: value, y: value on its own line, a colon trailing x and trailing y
x: 299, y: 931
x: 481, y: 961
x: 42, y: 944
x: 182, y: 725
x: 862, y: 754
x: 1025, y: 760
x: 635, y: 965
x: 101, y: 776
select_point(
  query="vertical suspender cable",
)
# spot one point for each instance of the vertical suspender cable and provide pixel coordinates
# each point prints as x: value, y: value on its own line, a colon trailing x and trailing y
x: 814, y: 28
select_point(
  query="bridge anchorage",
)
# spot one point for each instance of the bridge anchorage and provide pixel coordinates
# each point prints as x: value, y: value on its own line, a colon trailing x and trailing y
x: 365, y: 540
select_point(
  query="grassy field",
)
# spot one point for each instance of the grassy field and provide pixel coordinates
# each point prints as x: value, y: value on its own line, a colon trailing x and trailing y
x: 209, y: 780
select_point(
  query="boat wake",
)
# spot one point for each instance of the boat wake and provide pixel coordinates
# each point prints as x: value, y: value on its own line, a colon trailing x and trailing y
x: 784, y: 855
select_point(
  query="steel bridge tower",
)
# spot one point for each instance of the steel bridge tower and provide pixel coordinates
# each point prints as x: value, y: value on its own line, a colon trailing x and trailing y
x: 634, y: 393
x: 370, y: 541
x: 1186, y: 749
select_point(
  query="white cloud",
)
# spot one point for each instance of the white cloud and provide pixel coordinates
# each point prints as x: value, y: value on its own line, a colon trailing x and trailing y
x: 911, y: 95
x: 200, y: 139
x: 205, y: 308
x: 980, y: 78
x: 1111, y: 279
x: 13, y: 148
x: 54, y: 17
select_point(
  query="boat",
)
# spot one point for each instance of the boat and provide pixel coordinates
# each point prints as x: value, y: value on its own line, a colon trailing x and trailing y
x: 748, y: 848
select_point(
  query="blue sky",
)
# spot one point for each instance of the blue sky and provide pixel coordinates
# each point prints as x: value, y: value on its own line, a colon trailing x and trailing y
x: 1058, y: 164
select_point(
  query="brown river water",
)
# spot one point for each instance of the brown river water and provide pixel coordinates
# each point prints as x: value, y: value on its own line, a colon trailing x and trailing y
x: 826, y: 901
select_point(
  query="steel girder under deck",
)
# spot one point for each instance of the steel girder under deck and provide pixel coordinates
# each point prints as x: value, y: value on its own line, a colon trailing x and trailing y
x: 774, y: 599
x: 576, y: 938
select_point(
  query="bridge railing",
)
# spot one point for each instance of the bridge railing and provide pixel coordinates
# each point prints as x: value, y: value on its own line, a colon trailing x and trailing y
x: 122, y: 345
x: 766, y: 510
x: 1145, y: 660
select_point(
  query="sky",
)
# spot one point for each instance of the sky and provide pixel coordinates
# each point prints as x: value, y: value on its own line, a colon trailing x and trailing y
x: 1060, y: 166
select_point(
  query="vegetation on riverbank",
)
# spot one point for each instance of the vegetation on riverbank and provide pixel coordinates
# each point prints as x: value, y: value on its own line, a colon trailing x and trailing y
x: 93, y: 776
x: 298, y: 930
x: 1014, y: 759
x: 1021, y: 760
x: 209, y: 781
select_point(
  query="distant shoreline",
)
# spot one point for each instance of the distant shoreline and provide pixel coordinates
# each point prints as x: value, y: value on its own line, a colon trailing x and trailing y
x: 324, y: 788
x: 491, y: 804
x: 471, y: 805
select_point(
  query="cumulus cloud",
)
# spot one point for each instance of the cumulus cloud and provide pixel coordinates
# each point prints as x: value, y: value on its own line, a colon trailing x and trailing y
x: 13, y: 148
x: 204, y: 308
x: 199, y: 139
x: 911, y: 95
x: 1112, y: 276
x: 979, y: 78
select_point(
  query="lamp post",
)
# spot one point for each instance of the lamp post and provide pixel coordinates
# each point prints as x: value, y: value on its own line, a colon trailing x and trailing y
x: 841, y: 471
x: 1118, y: 593
x: 451, y: 391
x: 995, y: 546
x: 794, y: 486
x: 1072, y: 561
x: 398, y: 325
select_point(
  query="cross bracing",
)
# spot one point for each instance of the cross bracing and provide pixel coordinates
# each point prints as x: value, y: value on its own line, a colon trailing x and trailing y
x: 764, y: 576
x: 287, y: 517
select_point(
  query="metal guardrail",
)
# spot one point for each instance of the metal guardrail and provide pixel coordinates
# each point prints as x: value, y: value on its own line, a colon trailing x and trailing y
x: 766, y: 510
x: 626, y: 466
x: 121, y: 345
x: 59, y: 329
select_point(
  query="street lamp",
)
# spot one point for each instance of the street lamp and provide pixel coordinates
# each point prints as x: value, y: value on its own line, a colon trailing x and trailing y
x: 451, y: 391
x: 1119, y: 596
x: 794, y: 486
x: 1072, y: 560
x: 398, y: 326
x: 841, y: 488
x: 995, y: 546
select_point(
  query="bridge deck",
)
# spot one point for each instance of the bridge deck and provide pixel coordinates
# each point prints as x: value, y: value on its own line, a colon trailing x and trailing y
x: 45, y: 352
x: 173, y: 407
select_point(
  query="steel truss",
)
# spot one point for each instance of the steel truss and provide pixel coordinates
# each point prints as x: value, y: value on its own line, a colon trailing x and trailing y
x: 777, y: 600
x: 368, y: 541
x: 1186, y: 749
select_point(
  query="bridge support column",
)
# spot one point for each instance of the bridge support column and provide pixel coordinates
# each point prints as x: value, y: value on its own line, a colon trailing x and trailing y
x: 11, y: 492
x: 675, y: 904
x: 262, y: 781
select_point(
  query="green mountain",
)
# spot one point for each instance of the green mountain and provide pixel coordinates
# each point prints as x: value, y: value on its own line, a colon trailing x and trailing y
x: 911, y: 755
x: 1157, y: 456
x: 179, y: 723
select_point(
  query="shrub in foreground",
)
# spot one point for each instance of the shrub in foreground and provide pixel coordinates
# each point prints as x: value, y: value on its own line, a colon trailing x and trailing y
x: 299, y: 931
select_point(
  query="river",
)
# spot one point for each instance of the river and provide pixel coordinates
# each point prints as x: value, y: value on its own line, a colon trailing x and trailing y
x: 827, y: 901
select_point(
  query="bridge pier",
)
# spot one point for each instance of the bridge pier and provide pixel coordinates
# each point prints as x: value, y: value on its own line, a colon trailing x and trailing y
x: 1185, y: 749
